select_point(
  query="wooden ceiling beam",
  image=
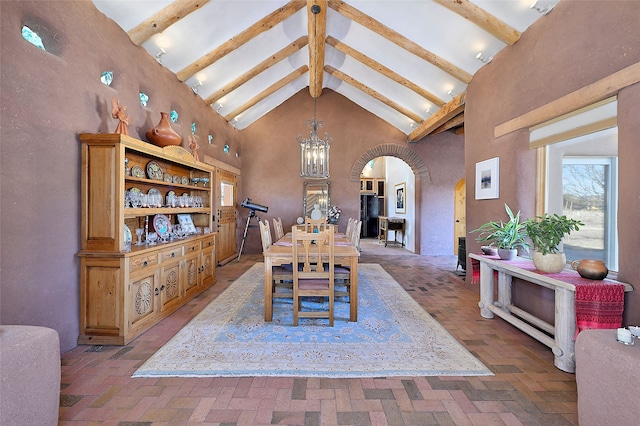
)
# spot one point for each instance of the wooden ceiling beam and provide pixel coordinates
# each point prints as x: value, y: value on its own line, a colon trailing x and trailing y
x: 163, y: 19
x: 440, y: 117
x: 261, y: 67
x: 456, y: 121
x: 235, y: 42
x: 265, y: 93
x: 483, y: 19
x: 398, y: 39
x: 369, y: 91
x: 317, y: 28
x: 378, y: 67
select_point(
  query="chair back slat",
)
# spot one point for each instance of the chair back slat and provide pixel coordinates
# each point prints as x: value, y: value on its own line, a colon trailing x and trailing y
x: 277, y: 228
x: 265, y: 234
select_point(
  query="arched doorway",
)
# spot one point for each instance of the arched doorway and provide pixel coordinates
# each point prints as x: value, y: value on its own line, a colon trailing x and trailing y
x: 413, y: 160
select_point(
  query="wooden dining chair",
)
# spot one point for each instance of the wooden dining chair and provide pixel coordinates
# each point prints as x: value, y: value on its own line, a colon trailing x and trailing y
x: 315, y: 252
x: 277, y: 228
x: 343, y: 273
x: 315, y: 225
x: 348, y: 231
x: 282, y: 276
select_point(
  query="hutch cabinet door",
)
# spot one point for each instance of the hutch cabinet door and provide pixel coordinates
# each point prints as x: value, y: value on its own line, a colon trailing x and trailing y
x: 101, y: 298
x: 169, y: 285
x: 143, y: 300
x: 191, y: 274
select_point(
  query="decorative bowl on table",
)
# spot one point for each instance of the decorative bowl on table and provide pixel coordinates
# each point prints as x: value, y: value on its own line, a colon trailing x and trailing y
x: 489, y: 250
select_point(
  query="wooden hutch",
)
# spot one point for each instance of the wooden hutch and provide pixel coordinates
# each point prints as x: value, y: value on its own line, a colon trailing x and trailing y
x: 124, y: 291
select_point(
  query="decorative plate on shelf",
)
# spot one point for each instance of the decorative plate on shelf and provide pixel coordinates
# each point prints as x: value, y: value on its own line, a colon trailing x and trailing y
x: 127, y: 235
x: 185, y: 180
x: 137, y: 171
x: 176, y: 179
x: 154, y: 171
x: 168, y: 178
x: 161, y: 224
x: 134, y: 189
x: 153, y: 191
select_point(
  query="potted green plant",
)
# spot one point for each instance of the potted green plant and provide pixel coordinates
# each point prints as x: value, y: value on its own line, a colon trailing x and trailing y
x: 507, y: 236
x: 546, y: 232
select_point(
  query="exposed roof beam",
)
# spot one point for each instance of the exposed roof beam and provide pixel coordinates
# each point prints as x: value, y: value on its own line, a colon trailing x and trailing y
x: 483, y: 19
x: 456, y: 121
x: 317, y: 27
x: 376, y: 66
x: 444, y: 114
x: 163, y: 19
x: 262, y: 66
x: 235, y: 42
x: 395, y: 37
x: 369, y: 91
x: 269, y: 91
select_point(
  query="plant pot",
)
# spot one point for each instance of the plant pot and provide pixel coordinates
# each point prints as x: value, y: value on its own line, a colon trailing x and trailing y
x: 506, y: 254
x: 549, y: 263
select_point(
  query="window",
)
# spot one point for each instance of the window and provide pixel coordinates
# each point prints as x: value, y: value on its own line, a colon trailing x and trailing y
x: 32, y: 37
x: 589, y: 195
x: 226, y: 194
x: 580, y: 176
x: 582, y: 183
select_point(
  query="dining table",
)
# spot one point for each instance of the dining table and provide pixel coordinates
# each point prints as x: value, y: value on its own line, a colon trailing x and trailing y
x: 281, y: 253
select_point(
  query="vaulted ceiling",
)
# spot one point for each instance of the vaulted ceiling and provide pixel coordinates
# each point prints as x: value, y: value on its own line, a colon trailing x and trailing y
x: 406, y: 61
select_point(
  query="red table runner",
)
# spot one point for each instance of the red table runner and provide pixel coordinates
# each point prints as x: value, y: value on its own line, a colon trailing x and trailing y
x: 599, y: 304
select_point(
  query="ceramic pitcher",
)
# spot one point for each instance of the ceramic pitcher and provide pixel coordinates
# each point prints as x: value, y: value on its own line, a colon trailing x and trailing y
x: 591, y: 269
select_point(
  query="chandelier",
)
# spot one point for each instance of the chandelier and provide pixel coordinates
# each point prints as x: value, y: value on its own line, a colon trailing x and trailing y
x: 314, y: 150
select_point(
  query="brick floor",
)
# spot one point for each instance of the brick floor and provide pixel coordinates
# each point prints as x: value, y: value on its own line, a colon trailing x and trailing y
x: 526, y: 389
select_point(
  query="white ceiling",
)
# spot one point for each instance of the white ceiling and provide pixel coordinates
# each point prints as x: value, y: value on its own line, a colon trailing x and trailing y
x: 444, y: 32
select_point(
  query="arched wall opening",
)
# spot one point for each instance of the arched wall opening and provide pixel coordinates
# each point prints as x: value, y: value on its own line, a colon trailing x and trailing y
x: 415, y: 163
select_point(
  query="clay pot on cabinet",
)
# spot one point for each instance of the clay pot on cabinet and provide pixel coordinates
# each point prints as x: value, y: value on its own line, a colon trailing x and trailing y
x: 590, y: 269
x: 163, y: 135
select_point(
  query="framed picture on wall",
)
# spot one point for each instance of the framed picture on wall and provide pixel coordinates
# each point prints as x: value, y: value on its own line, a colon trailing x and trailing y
x: 488, y: 179
x: 401, y: 197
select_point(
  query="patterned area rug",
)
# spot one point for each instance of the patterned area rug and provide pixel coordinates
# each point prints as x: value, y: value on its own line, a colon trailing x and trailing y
x: 394, y: 336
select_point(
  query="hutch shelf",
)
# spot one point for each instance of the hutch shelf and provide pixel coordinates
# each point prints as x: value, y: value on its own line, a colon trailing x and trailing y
x: 126, y: 288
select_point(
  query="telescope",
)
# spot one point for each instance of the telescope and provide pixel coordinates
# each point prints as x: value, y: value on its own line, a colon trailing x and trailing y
x: 253, y: 206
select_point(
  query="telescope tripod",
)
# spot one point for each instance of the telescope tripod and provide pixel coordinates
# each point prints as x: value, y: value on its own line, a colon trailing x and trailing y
x: 252, y: 213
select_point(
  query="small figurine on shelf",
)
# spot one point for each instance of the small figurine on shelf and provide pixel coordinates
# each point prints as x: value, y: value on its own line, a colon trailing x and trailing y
x: 193, y: 144
x: 120, y: 112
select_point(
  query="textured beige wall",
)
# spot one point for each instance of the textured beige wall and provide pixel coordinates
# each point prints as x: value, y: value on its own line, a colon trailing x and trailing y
x: 578, y: 43
x: 47, y: 98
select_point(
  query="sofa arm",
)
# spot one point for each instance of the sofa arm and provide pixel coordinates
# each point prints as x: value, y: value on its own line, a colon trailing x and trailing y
x: 29, y: 375
x: 607, y: 375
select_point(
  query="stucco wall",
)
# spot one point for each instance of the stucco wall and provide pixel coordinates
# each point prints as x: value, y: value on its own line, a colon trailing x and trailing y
x: 271, y: 168
x: 47, y: 99
x: 578, y: 43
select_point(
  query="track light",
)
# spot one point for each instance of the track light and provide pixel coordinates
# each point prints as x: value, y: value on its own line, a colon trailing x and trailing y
x: 219, y: 107
x: 543, y: 10
x: 159, y: 55
x: 195, y: 86
x: 483, y: 58
x: 451, y: 93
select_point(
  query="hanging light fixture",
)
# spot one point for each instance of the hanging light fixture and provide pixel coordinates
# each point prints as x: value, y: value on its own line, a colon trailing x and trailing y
x: 314, y: 151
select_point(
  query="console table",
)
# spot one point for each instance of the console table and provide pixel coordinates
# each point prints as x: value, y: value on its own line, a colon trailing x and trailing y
x: 386, y: 224
x: 562, y: 343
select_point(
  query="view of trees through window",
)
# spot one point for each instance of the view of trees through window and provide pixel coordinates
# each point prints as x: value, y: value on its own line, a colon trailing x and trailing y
x: 588, y: 196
